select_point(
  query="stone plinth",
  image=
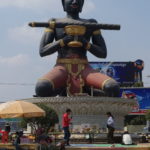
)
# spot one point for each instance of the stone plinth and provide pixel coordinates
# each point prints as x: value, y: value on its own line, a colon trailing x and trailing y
x: 89, y: 110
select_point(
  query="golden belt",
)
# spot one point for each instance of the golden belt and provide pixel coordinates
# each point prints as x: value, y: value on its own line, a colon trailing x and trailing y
x: 72, y: 61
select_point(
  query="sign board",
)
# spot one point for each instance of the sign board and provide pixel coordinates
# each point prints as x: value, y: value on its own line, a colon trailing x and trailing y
x: 122, y: 72
x: 125, y: 73
x: 142, y: 95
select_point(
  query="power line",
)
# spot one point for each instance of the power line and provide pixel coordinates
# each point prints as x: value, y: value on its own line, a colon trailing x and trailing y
x: 14, y: 84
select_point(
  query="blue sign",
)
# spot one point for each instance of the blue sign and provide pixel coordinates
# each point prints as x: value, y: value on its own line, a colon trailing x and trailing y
x: 142, y: 95
x: 122, y: 72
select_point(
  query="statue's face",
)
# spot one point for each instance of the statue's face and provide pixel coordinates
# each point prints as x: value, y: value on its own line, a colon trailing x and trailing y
x: 73, y: 6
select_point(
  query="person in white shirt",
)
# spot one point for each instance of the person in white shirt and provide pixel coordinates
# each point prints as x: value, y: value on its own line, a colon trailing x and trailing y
x: 111, y: 128
x: 126, y: 139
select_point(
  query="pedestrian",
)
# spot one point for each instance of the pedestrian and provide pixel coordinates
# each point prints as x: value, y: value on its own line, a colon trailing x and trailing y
x: 110, y: 126
x: 7, y: 127
x: 126, y: 138
x: 17, y: 140
x: 144, y: 138
x: 66, y: 121
x: 4, y: 137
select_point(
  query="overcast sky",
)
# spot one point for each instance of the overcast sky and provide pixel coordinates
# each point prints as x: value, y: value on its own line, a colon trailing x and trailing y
x: 20, y: 63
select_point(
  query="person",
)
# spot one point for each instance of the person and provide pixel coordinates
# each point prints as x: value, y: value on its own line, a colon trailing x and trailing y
x: 144, y: 138
x: 72, y: 73
x: 126, y: 138
x: 4, y: 137
x: 7, y: 127
x: 61, y: 145
x: 110, y: 126
x: 66, y: 121
x: 17, y: 140
x: 5, y: 133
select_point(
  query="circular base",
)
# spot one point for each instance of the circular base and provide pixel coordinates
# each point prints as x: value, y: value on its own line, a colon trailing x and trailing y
x: 89, y: 110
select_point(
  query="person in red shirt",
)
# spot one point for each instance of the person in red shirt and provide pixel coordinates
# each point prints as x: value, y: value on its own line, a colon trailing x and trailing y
x: 66, y: 121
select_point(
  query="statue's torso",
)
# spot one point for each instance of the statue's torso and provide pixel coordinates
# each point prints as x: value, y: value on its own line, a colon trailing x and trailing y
x: 67, y: 52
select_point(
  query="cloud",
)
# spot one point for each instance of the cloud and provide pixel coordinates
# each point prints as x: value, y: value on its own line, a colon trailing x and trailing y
x: 51, y: 59
x: 46, y: 63
x: 24, y: 34
x: 18, y: 60
x: 46, y: 5
x: 88, y: 7
x: 32, y: 4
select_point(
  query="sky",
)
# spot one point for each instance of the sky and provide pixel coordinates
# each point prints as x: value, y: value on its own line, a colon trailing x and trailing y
x: 20, y: 63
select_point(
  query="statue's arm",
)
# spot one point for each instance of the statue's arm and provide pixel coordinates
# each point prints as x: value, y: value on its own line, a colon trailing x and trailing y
x: 47, y: 46
x: 98, y: 46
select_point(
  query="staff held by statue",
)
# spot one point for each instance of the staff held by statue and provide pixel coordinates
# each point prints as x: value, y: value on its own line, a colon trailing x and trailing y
x: 75, y: 29
x: 53, y: 24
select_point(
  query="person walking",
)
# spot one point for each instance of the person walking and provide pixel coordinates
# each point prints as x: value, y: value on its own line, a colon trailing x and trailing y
x: 66, y: 121
x: 110, y: 126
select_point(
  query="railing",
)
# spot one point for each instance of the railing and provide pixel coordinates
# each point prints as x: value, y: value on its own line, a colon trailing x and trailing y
x: 88, y: 137
x: 10, y: 146
x: 91, y: 137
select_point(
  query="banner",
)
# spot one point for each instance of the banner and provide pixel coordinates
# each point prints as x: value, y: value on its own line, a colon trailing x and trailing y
x: 125, y: 73
x: 142, y: 95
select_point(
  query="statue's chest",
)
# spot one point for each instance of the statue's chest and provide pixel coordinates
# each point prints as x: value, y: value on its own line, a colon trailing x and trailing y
x: 60, y: 33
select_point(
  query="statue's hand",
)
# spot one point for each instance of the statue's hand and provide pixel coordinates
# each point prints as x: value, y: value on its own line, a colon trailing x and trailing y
x: 67, y: 39
x: 83, y: 41
x: 64, y: 41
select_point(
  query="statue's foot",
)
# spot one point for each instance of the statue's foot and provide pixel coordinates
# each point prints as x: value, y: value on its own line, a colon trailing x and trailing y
x: 112, y: 89
x: 35, y: 96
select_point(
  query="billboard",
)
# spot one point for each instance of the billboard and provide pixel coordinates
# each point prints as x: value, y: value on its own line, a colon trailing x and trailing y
x: 125, y: 73
x: 142, y: 95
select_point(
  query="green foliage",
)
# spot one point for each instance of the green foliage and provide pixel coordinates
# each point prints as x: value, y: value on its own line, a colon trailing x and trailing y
x: 135, y: 120
x: 148, y: 115
x: 138, y: 121
x: 23, y: 123
x: 46, y: 122
x: 138, y: 84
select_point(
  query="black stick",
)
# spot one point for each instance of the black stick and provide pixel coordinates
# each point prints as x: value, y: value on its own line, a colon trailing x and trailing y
x: 88, y: 25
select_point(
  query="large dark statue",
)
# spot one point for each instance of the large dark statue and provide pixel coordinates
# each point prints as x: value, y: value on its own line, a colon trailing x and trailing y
x: 72, y: 75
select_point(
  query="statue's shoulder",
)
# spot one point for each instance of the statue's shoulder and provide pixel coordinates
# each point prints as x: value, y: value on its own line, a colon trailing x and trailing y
x: 89, y: 20
x: 57, y: 19
x: 93, y: 20
x: 52, y: 19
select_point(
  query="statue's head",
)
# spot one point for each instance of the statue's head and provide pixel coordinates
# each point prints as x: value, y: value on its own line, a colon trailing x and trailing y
x: 73, y: 6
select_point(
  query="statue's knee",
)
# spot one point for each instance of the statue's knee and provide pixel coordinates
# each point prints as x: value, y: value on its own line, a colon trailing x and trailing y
x: 111, y: 88
x: 44, y: 88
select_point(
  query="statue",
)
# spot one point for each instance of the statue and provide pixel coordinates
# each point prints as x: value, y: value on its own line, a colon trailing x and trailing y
x: 72, y: 75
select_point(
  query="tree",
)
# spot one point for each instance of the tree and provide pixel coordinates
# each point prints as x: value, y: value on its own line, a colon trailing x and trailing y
x: 45, y: 123
x: 148, y: 115
x: 135, y: 120
x: 139, y: 120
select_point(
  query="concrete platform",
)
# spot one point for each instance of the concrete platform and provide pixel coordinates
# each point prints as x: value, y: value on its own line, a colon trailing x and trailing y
x: 108, y: 147
x: 88, y: 110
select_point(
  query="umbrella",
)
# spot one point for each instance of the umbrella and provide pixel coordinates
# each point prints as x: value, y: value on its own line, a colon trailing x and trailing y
x: 18, y: 109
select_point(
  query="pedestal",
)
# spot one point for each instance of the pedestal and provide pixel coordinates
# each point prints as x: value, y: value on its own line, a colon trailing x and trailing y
x: 89, y: 110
